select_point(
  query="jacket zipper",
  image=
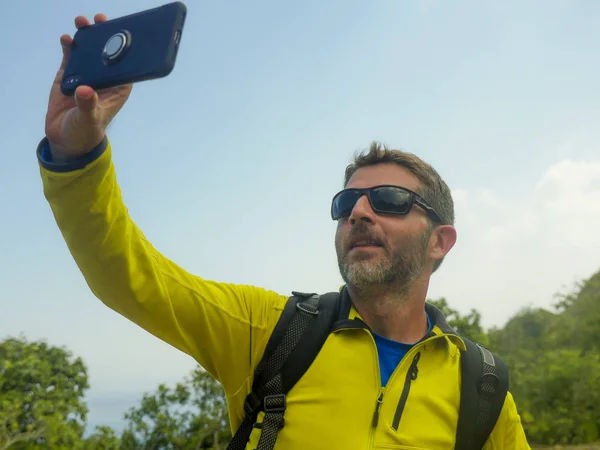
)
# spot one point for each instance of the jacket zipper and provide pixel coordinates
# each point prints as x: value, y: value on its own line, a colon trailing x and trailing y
x: 379, y: 396
x: 411, y: 375
x: 378, y: 407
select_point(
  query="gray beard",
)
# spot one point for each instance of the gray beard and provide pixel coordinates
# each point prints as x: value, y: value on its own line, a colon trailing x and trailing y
x: 398, y: 270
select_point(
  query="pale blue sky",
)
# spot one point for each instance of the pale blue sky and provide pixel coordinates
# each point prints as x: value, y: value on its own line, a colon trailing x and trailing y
x: 229, y: 164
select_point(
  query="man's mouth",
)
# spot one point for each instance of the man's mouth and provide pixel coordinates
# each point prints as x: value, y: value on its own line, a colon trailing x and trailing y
x: 364, y: 243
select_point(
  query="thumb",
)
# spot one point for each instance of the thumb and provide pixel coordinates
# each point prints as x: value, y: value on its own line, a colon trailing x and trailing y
x: 86, y: 100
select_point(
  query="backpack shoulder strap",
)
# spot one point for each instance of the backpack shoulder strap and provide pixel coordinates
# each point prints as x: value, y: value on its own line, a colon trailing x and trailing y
x: 296, y: 340
x: 311, y: 343
x: 485, y: 382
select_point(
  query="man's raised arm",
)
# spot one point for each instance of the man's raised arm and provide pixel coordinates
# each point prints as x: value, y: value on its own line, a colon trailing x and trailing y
x: 223, y: 326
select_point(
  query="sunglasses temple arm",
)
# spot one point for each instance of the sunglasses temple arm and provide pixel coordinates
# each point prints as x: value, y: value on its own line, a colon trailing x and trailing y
x: 429, y: 209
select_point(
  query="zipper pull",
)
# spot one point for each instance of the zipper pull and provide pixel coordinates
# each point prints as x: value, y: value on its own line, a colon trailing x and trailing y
x: 414, y: 369
x: 378, y: 407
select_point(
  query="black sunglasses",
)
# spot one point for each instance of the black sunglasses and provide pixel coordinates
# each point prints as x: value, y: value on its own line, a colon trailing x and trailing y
x: 383, y: 199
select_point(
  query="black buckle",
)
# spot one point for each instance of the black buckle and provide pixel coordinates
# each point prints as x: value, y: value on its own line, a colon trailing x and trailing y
x: 274, y: 403
x: 307, y: 308
x: 488, y: 384
x: 252, y: 405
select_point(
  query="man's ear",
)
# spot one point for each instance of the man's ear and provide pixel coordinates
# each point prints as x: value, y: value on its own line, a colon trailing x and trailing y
x: 443, y: 239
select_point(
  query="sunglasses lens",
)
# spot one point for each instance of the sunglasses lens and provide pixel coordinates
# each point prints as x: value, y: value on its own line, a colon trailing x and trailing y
x: 343, y: 204
x: 384, y: 199
x: 391, y: 200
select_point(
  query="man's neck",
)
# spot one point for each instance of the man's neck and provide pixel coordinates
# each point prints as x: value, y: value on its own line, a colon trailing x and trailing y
x: 392, y: 313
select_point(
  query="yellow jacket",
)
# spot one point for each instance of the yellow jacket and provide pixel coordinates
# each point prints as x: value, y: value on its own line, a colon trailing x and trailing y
x: 225, y: 327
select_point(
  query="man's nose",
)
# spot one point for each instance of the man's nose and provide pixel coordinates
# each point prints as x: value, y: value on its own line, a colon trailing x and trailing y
x: 362, y: 211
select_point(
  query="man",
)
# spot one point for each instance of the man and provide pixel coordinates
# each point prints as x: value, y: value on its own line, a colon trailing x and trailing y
x: 388, y: 375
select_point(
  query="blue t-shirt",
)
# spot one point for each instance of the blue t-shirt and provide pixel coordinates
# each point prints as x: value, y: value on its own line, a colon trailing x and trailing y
x: 391, y: 353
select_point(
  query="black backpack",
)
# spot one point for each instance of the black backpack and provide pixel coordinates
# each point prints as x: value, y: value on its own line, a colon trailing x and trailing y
x: 305, y: 323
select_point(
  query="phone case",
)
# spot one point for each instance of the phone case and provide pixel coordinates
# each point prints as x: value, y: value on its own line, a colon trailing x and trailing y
x: 129, y: 49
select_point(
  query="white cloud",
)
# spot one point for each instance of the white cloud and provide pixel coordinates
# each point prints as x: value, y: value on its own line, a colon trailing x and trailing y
x: 520, y: 250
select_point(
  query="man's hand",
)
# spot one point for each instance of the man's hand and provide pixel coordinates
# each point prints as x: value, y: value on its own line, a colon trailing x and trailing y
x: 75, y: 125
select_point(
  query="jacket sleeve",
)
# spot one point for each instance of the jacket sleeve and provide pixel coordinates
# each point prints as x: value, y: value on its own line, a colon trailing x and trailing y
x: 223, y: 326
x: 508, y: 434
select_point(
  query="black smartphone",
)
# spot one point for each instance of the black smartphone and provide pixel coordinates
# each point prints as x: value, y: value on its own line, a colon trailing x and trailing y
x: 129, y: 49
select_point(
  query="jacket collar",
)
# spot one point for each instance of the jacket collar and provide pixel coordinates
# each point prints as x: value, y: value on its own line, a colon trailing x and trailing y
x: 349, y: 317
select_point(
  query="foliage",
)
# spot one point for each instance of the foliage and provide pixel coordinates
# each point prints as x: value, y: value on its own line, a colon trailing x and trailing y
x: 103, y: 439
x: 190, y: 416
x: 580, y: 316
x: 468, y: 326
x: 554, y: 359
x: 41, y: 396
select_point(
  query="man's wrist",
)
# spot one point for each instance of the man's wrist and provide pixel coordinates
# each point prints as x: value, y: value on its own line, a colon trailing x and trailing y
x: 56, y: 161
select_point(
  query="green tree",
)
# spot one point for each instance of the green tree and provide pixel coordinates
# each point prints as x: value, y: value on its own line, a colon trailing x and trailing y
x: 523, y: 343
x: 468, y: 325
x: 558, y: 398
x: 554, y: 360
x: 190, y: 416
x: 41, y: 396
x: 104, y: 438
x: 580, y: 316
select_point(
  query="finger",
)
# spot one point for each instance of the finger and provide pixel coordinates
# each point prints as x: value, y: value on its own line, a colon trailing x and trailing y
x: 99, y: 18
x: 86, y: 99
x: 82, y: 22
x: 65, y: 42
